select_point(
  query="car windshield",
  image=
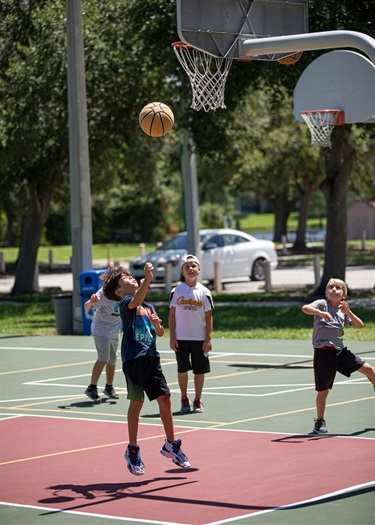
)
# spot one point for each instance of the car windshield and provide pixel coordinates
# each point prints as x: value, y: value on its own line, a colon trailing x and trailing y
x: 178, y: 243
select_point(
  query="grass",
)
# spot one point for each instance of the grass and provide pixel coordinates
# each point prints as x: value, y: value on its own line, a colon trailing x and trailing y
x: 34, y: 315
x: 264, y: 222
x: 62, y: 254
x: 126, y: 252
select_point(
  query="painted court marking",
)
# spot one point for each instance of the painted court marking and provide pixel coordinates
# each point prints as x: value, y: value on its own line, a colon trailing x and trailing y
x: 67, y: 481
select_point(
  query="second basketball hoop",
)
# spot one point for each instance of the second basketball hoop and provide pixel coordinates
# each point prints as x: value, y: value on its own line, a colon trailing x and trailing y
x: 321, y: 124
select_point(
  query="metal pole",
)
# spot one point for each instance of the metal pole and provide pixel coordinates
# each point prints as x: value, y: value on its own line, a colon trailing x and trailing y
x: 81, y: 229
x: 189, y: 170
x: 307, y: 42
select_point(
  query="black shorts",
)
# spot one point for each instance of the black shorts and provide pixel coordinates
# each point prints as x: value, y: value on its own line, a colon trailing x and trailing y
x: 189, y: 356
x: 144, y: 375
x: 328, y: 362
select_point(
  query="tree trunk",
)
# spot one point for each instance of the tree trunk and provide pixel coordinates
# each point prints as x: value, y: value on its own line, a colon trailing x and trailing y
x: 34, y: 220
x: 300, y: 242
x: 306, y: 195
x: 282, y: 208
x: 339, y: 162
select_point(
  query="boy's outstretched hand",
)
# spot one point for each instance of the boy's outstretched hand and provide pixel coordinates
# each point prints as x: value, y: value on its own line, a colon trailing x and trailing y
x: 148, y: 273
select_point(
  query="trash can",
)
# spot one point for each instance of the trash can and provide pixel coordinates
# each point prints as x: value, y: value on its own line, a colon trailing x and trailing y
x: 63, y: 306
x: 89, y: 283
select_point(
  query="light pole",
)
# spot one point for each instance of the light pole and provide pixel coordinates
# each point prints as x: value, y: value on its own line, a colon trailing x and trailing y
x: 80, y: 206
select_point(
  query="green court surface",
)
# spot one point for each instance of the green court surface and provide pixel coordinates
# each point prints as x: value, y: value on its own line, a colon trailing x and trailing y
x: 255, y: 386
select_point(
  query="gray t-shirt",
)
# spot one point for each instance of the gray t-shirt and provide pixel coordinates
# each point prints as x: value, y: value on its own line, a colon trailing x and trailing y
x: 329, y: 333
x: 107, y: 320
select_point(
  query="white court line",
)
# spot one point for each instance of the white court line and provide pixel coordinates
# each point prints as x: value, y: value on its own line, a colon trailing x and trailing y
x: 193, y: 428
x: 297, y: 504
x: 212, y: 353
x: 88, y: 514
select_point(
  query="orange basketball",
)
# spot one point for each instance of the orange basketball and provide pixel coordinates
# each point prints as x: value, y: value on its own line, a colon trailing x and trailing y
x: 156, y: 119
x: 291, y: 59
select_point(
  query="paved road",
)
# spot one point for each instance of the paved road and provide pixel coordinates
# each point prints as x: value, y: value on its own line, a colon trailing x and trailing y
x: 357, y: 278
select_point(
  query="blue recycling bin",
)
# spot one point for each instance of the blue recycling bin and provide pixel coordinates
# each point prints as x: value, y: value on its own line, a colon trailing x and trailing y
x: 89, y: 283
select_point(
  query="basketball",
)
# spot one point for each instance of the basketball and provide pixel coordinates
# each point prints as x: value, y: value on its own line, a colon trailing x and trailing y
x: 291, y: 59
x: 156, y: 119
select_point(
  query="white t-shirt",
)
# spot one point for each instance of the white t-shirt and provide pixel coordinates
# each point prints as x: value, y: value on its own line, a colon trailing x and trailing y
x: 191, y: 304
x: 107, y: 320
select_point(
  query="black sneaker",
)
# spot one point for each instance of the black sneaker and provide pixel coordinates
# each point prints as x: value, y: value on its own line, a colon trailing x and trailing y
x: 134, y: 460
x: 109, y: 391
x: 92, y: 392
x: 319, y: 426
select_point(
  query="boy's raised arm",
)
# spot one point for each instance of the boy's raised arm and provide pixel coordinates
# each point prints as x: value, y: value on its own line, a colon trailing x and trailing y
x: 140, y: 294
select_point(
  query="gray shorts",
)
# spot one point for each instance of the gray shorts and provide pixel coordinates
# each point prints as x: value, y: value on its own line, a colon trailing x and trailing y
x: 107, y: 349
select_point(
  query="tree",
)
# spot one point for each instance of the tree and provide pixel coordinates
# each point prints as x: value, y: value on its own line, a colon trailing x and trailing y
x: 33, y: 119
x: 34, y: 98
x: 272, y: 161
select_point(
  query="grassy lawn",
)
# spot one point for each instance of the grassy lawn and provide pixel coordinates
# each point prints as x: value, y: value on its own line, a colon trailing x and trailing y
x: 264, y: 222
x: 62, y: 254
x: 35, y: 316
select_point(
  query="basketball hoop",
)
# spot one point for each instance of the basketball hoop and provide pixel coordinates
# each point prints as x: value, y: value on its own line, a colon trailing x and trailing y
x: 321, y: 124
x: 207, y: 75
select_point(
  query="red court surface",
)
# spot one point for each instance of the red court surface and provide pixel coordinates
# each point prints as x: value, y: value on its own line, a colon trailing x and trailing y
x: 78, y: 466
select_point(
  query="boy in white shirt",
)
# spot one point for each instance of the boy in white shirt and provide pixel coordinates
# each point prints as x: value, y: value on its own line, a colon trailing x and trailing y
x: 190, y: 325
x: 105, y: 329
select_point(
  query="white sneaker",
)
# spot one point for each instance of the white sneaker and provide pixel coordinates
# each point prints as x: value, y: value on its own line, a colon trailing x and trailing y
x: 173, y: 451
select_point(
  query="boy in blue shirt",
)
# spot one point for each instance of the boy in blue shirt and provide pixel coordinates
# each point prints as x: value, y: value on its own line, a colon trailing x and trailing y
x: 141, y: 363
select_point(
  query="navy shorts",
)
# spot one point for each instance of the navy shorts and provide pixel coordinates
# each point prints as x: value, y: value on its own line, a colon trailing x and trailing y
x: 189, y: 356
x: 144, y: 375
x: 328, y: 362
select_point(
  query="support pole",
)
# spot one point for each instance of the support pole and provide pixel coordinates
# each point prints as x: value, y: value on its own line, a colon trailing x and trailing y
x: 81, y: 229
x: 189, y: 170
x: 307, y: 42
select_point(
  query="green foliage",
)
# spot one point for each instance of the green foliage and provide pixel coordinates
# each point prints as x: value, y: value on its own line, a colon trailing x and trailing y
x: 212, y: 215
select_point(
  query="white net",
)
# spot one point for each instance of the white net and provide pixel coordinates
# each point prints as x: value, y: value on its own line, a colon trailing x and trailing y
x: 321, y: 124
x: 207, y: 75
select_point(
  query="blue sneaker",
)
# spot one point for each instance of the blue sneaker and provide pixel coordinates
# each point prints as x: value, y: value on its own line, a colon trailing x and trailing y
x: 173, y: 451
x: 134, y: 461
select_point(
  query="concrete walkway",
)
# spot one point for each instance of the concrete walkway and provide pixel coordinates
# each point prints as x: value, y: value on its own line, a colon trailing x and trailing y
x: 289, y: 279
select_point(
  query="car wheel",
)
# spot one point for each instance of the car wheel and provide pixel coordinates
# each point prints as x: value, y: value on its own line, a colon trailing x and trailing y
x: 258, y: 270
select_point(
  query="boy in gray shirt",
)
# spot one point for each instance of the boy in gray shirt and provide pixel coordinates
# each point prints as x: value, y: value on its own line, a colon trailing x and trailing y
x: 330, y: 354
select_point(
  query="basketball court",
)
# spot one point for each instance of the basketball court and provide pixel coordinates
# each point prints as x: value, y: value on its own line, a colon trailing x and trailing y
x: 253, y: 459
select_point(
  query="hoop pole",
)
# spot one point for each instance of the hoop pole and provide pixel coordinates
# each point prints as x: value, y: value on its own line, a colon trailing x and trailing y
x: 307, y: 42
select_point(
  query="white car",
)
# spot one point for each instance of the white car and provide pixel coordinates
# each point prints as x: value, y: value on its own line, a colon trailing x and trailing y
x: 240, y: 255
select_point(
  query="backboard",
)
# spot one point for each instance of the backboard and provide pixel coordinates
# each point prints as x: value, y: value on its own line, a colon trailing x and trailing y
x: 341, y: 79
x: 215, y: 26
